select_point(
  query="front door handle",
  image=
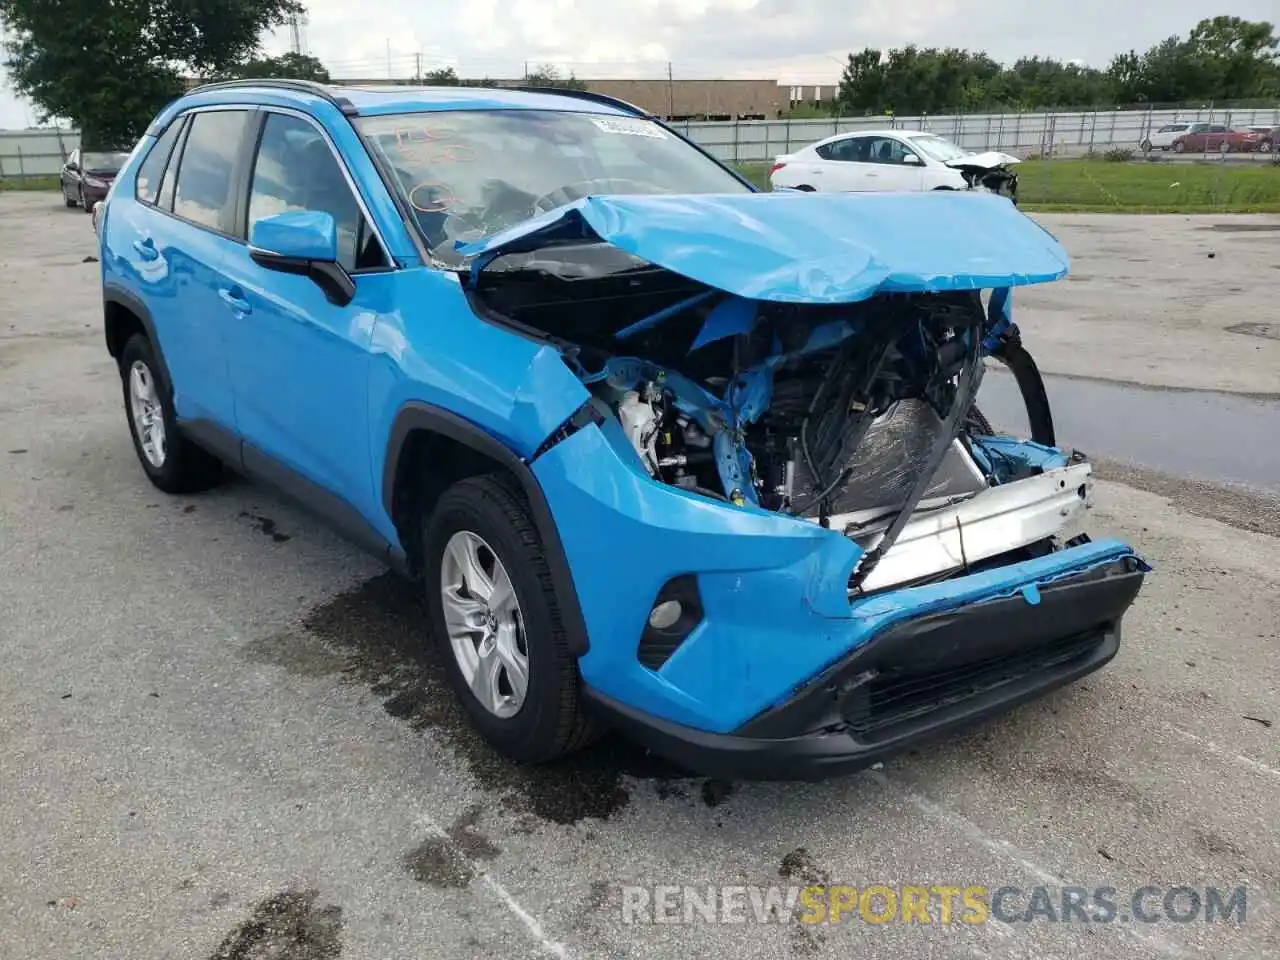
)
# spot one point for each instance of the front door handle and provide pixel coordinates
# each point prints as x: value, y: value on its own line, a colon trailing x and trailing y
x: 146, y: 249
x: 235, y: 301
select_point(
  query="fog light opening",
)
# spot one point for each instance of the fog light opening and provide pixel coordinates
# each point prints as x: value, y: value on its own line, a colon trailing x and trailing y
x: 665, y: 615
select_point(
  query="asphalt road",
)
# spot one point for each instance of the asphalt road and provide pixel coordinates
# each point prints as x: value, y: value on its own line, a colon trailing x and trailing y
x: 218, y: 739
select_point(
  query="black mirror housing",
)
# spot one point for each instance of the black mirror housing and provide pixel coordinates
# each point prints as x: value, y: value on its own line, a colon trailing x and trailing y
x: 336, y: 284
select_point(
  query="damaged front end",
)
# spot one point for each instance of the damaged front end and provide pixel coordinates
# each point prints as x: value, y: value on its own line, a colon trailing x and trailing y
x: 797, y: 374
x: 989, y: 172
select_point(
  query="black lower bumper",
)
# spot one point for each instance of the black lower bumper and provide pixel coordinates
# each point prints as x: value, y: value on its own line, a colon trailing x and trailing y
x: 912, y: 682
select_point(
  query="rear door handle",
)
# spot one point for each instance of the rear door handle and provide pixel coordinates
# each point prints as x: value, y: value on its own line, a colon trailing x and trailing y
x: 235, y: 301
x: 146, y: 249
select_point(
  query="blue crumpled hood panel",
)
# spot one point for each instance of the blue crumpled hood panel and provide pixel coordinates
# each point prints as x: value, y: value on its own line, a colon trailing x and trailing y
x: 808, y: 247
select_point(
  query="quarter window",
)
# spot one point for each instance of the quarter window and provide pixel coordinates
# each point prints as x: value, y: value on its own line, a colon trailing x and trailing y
x: 296, y: 170
x: 204, y: 194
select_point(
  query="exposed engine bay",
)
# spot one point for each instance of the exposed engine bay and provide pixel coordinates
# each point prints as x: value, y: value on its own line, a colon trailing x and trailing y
x: 989, y: 172
x: 856, y: 416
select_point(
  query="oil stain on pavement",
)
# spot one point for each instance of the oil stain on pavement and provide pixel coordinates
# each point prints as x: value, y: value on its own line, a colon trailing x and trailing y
x: 378, y: 635
x: 287, y: 926
x: 450, y: 860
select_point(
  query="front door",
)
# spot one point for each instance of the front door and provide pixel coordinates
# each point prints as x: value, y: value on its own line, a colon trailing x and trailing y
x: 887, y: 166
x: 300, y: 364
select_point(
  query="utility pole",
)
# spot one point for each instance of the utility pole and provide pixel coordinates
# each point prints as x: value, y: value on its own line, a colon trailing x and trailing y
x: 671, y: 93
x: 388, y: 58
x: 417, y: 68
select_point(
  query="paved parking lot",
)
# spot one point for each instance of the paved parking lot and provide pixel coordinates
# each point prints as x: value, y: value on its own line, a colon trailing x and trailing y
x: 219, y: 737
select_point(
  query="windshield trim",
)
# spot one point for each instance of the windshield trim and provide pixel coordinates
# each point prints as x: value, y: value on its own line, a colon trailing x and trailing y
x: 429, y: 253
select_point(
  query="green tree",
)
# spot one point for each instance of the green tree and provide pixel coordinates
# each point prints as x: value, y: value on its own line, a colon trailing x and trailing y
x: 109, y: 67
x: 442, y: 77
x: 1240, y: 58
x: 548, y: 76
x: 294, y: 66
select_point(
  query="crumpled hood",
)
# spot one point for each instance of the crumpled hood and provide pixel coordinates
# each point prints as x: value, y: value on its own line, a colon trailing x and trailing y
x: 983, y: 161
x: 806, y: 247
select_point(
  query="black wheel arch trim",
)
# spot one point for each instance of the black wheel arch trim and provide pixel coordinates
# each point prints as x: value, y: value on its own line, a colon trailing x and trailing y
x: 416, y: 415
x: 112, y: 294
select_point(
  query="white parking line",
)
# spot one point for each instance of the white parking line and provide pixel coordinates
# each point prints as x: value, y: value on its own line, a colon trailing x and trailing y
x: 494, y: 886
x: 1008, y: 850
x: 1255, y: 765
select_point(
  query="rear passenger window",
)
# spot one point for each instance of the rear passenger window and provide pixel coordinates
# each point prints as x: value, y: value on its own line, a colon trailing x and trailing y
x: 296, y: 170
x: 203, y: 193
x: 152, y: 170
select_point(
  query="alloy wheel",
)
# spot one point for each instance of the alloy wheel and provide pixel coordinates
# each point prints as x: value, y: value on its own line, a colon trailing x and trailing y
x: 482, y: 617
x: 147, y: 413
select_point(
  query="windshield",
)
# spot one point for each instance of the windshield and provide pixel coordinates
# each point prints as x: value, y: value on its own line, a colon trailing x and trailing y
x: 103, y: 162
x: 939, y: 149
x: 468, y: 174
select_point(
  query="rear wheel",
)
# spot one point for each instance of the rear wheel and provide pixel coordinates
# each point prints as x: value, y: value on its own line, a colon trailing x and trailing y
x: 805, y: 188
x: 1224, y: 147
x: 172, y: 462
x: 1264, y: 146
x: 1179, y: 147
x: 497, y: 622
x: 1145, y: 145
x: 69, y: 200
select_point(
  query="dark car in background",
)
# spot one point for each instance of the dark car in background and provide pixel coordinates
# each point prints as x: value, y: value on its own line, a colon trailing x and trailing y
x: 87, y: 176
x: 1268, y: 137
x: 1206, y: 137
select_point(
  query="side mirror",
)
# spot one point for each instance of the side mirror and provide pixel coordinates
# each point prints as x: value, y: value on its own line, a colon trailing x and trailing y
x: 911, y: 158
x: 303, y: 242
x: 73, y: 167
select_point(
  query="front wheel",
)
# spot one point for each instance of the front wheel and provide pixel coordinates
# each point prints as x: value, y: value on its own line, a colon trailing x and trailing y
x: 497, y: 622
x: 172, y: 462
x: 1264, y: 146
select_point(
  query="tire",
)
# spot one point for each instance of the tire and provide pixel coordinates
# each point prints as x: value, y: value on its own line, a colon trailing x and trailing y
x: 549, y: 722
x: 1264, y: 146
x: 69, y: 201
x: 805, y: 188
x: 1179, y: 147
x: 1145, y: 146
x: 181, y: 466
x: 1224, y: 147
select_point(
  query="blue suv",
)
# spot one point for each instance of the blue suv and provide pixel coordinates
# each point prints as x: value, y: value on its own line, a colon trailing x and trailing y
x: 664, y: 452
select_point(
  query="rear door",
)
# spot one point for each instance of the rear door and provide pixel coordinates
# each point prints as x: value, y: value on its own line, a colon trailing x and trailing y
x: 174, y: 242
x: 299, y: 363
x: 842, y: 167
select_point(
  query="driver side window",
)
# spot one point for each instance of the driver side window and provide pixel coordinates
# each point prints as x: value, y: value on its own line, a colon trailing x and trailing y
x: 295, y: 169
x: 887, y: 150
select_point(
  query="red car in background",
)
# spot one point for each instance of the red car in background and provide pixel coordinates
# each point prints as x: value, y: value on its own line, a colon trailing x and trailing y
x: 87, y: 175
x: 1217, y: 137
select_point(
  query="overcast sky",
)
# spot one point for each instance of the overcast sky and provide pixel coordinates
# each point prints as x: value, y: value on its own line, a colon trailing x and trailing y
x: 793, y: 41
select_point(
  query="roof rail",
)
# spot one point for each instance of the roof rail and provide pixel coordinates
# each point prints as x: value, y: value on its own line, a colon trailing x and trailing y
x: 284, y: 83
x: 590, y: 96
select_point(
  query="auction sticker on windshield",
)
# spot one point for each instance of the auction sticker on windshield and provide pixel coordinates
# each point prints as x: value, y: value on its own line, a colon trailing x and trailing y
x: 633, y: 128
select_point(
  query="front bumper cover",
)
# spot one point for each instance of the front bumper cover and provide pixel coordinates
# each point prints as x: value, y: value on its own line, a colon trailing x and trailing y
x: 913, y: 681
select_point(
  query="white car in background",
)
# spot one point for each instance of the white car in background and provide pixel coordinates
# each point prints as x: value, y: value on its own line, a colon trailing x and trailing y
x: 891, y: 160
x: 1162, y: 138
